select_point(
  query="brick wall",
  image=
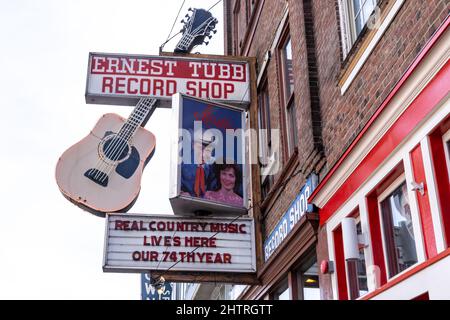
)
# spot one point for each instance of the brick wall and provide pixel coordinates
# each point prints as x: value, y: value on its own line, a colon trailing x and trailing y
x: 327, y: 121
x: 343, y: 117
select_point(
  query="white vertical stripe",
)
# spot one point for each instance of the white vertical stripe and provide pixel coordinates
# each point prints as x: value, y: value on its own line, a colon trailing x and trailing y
x: 436, y: 212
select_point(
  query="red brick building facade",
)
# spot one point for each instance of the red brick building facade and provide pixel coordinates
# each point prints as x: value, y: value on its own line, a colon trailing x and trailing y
x: 329, y: 73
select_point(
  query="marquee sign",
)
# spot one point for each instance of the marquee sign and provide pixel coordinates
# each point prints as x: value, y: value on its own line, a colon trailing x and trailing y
x: 142, y: 243
x: 123, y: 79
x: 291, y: 217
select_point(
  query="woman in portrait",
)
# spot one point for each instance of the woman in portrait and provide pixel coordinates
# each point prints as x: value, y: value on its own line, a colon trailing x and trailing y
x: 229, y: 179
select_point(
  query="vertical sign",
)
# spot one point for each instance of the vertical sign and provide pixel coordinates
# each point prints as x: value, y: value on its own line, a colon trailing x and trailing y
x: 291, y: 217
x: 149, y: 292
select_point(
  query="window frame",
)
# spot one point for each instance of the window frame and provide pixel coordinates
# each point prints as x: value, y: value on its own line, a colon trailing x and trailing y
x: 236, y: 13
x: 415, y: 219
x: 357, y: 215
x: 265, y: 141
x: 286, y: 102
x: 348, y: 17
x: 446, y: 142
x: 281, y: 288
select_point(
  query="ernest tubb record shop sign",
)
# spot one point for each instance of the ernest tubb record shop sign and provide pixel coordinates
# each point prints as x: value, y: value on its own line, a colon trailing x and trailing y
x: 123, y: 79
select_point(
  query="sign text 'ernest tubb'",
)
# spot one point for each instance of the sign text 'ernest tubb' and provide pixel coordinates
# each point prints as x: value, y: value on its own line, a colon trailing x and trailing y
x: 127, y: 76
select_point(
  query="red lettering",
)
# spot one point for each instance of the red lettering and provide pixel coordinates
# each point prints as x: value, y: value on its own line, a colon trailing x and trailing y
x: 226, y: 258
x: 126, y: 225
x: 218, y: 258
x: 107, y: 83
x: 229, y: 88
x: 136, y: 256
x: 118, y: 225
x: 203, y: 90
x: 120, y: 85
x: 145, y: 86
x: 129, y: 90
x: 171, y: 87
x: 176, y: 241
x: 209, y: 257
x: 242, y: 228
x: 200, y: 256
x: 158, y: 85
x: 216, y: 90
x: 190, y: 88
x: 167, y: 241
x: 134, y: 226
x: 153, y: 256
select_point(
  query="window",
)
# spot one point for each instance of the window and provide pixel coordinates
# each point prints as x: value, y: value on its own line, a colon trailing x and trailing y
x: 236, y: 12
x: 354, y: 16
x: 446, y: 140
x: 264, y: 136
x: 287, y: 80
x: 360, y: 12
x: 250, y: 7
x: 282, y: 293
x: 356, y: 272
x: 309, y: 281
x: 399, y: 239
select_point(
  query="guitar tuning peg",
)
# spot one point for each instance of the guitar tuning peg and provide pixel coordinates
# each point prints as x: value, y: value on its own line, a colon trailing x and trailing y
x: 190, y: 9
x: 186, y: 16
x: 182, y: 21
x: 209, y: 36
x: 214, y: 31
x: 206, y: 42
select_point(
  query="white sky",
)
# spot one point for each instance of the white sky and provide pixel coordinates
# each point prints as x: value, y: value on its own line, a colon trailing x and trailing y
x: 49, y: 248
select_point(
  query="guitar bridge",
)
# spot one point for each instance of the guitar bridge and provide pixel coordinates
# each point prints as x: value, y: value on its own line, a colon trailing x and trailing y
x: 97, y: 176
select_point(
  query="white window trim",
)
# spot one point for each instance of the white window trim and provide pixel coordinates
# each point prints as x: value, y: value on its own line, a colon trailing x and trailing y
x: 445, y: 139
x: 430, y: 174
x: 358, y: 219
x: 441, y: 111
x: 346, y: 39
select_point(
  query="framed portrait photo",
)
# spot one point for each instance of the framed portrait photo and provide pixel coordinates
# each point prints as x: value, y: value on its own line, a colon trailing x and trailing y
x: 208, y: 171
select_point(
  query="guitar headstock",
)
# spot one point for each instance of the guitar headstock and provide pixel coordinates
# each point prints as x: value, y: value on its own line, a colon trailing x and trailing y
x: 197, y: 26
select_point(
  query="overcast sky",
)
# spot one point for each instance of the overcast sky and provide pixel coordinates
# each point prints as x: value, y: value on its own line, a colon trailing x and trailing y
x: 49, y: 248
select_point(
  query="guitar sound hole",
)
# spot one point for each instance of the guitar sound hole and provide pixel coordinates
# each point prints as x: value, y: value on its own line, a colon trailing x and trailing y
x: 115, y: 149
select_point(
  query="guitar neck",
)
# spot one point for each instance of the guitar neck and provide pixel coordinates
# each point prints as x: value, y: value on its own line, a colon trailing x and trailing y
x: 141, y: 112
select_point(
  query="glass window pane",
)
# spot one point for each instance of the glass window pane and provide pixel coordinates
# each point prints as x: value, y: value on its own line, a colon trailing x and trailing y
x: 399, y: 233
x: 310, y: 284
x: 359, y: 24
x: 356, y: 7
x: 361, y: 267
x: 287, y: 69
x: 292, y: 127
x: 284, y: 295
x: 367, y: 10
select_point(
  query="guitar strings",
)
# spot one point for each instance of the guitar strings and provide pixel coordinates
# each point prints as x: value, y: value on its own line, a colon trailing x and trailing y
x: 147, y: 103
x: 102, y: 165
x: 143, y: 102
x: 122, y: 144
x: 117, y: 144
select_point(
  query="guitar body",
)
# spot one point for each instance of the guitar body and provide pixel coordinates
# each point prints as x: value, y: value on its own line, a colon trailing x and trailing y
x: 102, y: 173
